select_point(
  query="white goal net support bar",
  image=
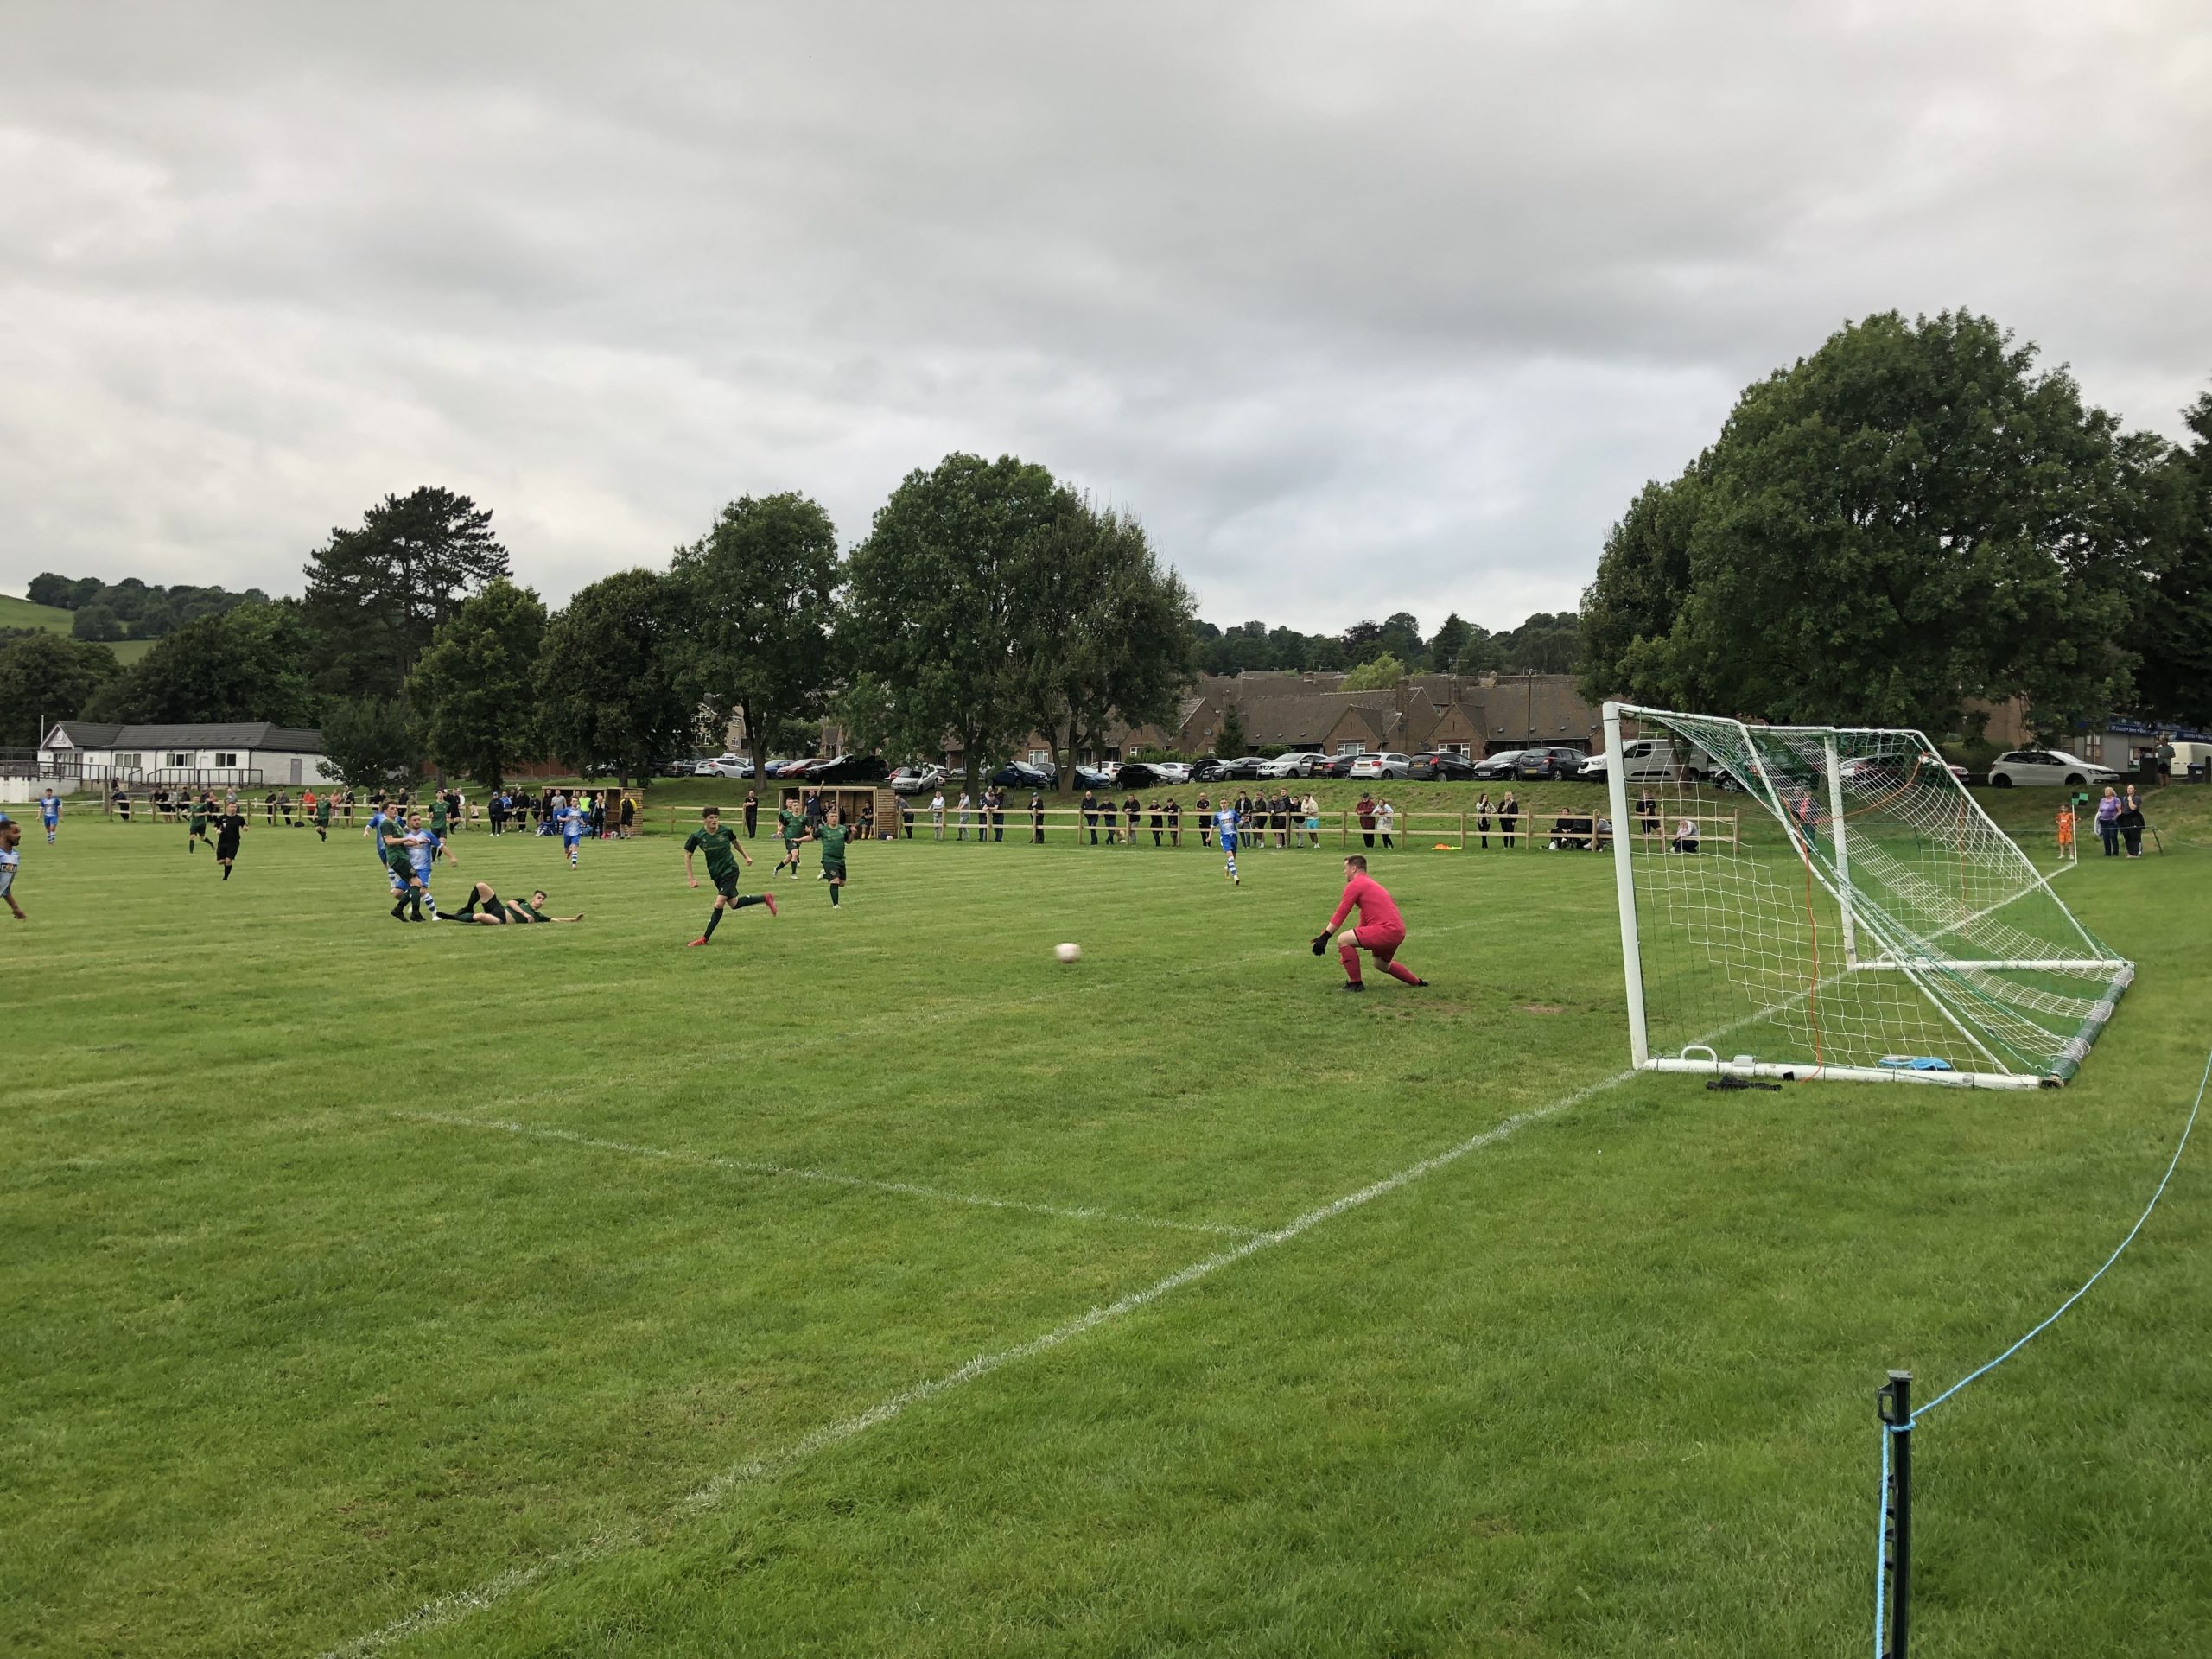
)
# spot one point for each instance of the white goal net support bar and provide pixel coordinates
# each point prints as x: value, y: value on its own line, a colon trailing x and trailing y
x: 1865, y: 918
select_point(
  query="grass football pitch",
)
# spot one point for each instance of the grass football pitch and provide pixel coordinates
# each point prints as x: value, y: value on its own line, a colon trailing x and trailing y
x: 870, y: 1283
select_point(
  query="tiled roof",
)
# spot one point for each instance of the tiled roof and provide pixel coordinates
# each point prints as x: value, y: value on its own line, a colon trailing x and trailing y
x: 221, y: 734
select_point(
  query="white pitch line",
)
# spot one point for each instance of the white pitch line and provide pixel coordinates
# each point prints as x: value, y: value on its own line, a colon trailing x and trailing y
x: 827, y: 1177
x: 450, y: 1608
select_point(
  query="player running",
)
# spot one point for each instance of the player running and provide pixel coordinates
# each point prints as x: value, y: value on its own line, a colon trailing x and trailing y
x: 195, y: 823
x: 1224, y: 824
x: 1380, y: 932
x: 792, y: 826
x: 496, y: 911
x: 571, y: 819
x: 832, y: 835
x: 49, y: 814
x: 228, y: 828
x: 424, y: 846
x: 11, y: 861
x: 380, y: 823
x: 719, y: 845
x: 398, y: 858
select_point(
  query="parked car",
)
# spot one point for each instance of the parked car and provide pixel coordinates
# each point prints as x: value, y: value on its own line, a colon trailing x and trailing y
x: 1382, y: 764
x: 1214, y: 768
x: 918, y: 780
x: 1094, y: 778
x: 1596, y: 767
x: 1143, y: 774
x: 1443, y: 767
x: 1020, y: 774
x: 726, y: 766
x: 848, y: 769
x: 1551, y: 761
x: 1498, y: 766
x: 1169, y: 771
x: 1300, y: 762
x: 1338, y: 765
x: 2046, y: 767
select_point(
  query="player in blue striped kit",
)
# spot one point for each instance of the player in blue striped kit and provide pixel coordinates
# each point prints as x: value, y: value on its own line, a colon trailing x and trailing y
x: 1225, y: 823
x: 571, y: 818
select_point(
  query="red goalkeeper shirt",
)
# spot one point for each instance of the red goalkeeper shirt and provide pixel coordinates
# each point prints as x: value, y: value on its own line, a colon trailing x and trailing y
x: 1375, y: 909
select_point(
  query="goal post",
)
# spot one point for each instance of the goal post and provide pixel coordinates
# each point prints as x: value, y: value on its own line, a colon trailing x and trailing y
x: 1830, y: 902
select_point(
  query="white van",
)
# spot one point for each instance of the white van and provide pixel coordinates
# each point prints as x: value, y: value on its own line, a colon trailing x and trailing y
x: 1642, y: 759
x: 2198, y: 755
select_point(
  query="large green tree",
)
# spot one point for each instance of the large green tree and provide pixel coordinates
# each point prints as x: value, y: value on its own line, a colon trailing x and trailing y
x: 370, y: 743
x: 758, y: 594
x: 1379, y: 673
x: 1110, y: 631
x: 1910, y: 517
x: 474, y: 690
x: 247, y: 664
x: 2173, y: 627
x: 1643, y: 575
x: 377, y: 593
x: 942, y: 602
x: 609, y: 678
x: 44, y: 678
x: 1451, y: 637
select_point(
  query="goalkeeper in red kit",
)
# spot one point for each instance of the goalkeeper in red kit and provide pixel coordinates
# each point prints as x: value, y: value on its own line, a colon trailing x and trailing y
x: 1380, y: 932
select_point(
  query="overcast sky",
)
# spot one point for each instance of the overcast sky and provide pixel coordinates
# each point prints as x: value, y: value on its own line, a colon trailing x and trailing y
x: 1361, y: 307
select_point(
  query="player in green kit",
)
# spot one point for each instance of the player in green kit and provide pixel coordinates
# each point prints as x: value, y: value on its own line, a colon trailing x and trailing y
x: 196, y: 828
x: 791, y: 824
x: 438, y: 816
x: 832, y: 835
x: 323, y: 816
x: 723, y: 853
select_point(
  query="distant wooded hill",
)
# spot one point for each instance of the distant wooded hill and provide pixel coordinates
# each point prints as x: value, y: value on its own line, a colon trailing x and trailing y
x: 131, y: 609
x: 1548, y: 643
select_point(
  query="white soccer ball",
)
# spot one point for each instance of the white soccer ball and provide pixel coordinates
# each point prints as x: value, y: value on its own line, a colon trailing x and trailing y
x: 1068, y: 952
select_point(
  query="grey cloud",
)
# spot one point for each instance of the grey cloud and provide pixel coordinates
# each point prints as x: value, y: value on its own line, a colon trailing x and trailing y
x: 1360, y: 306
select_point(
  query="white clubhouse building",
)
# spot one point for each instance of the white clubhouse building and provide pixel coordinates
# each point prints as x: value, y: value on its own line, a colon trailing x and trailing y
x: 83, y: 753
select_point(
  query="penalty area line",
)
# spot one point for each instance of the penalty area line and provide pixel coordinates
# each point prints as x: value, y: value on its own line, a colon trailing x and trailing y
x: 825, y: 1176
x: 458, y: 1605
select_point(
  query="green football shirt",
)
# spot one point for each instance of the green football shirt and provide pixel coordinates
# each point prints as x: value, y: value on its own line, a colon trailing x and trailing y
x: 719, y: 845
x: 832, y: 837
x: 792, y: 824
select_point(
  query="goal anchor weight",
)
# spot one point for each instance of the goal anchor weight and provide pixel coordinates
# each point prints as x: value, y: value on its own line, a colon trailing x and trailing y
x: 1894, y: 1405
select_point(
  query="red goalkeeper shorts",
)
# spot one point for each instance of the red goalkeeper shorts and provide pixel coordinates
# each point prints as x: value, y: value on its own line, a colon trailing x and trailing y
x: 1383, y: 941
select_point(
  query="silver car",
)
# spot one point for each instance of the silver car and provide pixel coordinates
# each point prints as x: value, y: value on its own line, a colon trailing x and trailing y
x: 1298, y: 764
x: 2046, y: 767
x: 1388, y: 764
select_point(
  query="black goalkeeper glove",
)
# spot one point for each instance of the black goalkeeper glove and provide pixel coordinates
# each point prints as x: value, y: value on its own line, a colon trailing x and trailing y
x: 1320, y: 943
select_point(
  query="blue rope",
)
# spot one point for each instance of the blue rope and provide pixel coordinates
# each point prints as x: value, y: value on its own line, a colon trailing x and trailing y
x: 1881, y: 1534
x: 2093, y: 1277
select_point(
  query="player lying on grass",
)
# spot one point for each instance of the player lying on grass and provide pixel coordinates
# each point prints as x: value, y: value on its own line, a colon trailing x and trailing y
x: 10, y: 861
x: 1380, y: 932
x: 832, y: 835
x: 488, y: 909
x: 723, y: 853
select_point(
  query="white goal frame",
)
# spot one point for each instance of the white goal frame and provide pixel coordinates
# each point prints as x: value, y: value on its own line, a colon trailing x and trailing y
x: 1880, y: 951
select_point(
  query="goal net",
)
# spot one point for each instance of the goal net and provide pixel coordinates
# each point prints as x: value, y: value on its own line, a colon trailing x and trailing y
x: 1814, y: 901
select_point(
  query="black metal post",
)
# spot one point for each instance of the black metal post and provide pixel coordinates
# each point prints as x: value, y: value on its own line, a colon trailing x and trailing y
x: 1893, y: 1404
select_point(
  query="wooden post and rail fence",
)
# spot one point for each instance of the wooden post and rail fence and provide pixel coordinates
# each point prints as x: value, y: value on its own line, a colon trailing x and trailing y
x: 1568, y: 828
